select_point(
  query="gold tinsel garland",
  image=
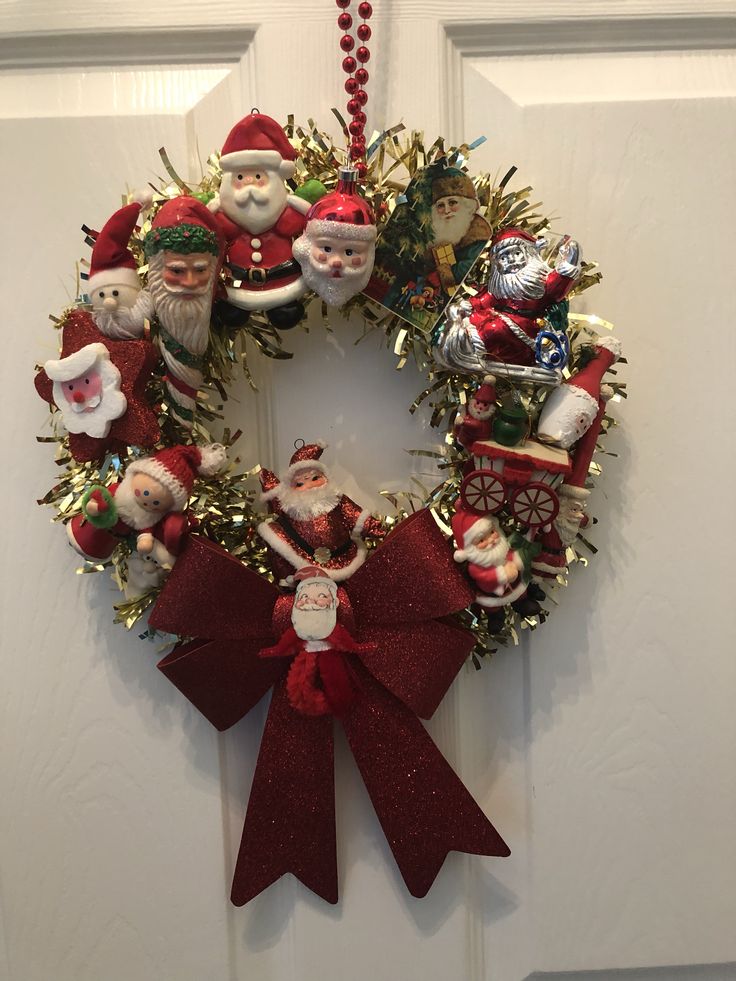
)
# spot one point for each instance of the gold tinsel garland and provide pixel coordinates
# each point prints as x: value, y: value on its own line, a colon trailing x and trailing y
x: 224, y: 508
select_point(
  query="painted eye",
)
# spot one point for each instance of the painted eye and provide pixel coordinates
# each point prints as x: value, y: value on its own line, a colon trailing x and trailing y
x: 316, y: 477
x: 71, y: 388
x: 156, y: 502
x: 348, y: 251
x: 145, y: 493
x: 240, y: 177
x: 86, y: 381
x: 102, y: 294
x: 116, y: 292
x: 327, y: 248
x: 258, y: 177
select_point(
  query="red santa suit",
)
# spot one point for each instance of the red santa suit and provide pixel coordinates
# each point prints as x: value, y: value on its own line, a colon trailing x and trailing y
x: 496, y: 589
x: 469, y: 429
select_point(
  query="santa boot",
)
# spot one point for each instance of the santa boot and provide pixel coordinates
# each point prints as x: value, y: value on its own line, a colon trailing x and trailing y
x: 229, y: 315
x: 535, y: 592
x: 525, y: 606
x: 287, y: 316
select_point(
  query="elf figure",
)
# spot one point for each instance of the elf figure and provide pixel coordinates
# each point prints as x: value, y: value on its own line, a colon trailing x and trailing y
x: 260, y: 219
x: 337, y: 248
x: 184, y: 251
x: 314, y: 523
x: 147, y: 507
x: 501, y: 572
x: 120, y: 308
x: 477, y: 424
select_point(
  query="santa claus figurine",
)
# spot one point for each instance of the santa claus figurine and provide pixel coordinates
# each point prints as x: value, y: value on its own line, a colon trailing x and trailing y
x: 87, y: 390
x: 120, y: 308
x: 500, y: 572
x: 184, y: 250
x: 313, y: 523
x: 477, y: 424
x: 146, y: 509
x: 338, y: 245
x: 571, y: 410
x: 259, y: 220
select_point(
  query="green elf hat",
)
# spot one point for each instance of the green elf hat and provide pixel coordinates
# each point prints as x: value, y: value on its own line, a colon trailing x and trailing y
x: 183, y: 225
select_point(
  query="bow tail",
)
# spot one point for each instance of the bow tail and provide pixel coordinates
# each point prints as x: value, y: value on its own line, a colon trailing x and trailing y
x: 423, y: 807
x: 290, y: 822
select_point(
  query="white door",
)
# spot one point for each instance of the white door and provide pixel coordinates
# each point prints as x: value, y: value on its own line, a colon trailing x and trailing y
x: 601, y: 748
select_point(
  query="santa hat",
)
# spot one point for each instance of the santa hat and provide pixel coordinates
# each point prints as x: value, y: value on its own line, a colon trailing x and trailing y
x: 455, y: 183
x: 112, y: 262
x: 313, y: 573
x: 258, y: 141
x: 486, y: 392
x: 183, y: 225
x: 506, y: 235
x: 467, y: 528
x: 587, y: 381
x: 177, y: 466
x: 343, y: 213
x: 305, y: 456
x: 574, y: 485
x: 77, y: 363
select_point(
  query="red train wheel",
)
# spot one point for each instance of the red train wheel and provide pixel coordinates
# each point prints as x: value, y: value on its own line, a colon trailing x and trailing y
x: 534, y: 504
x: 482, y: 491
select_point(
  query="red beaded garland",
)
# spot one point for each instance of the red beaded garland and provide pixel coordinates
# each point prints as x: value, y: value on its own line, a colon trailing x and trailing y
x: 362, y: 54
x: 347, y: 43
x: 361, y: 76
x: 361, y: 168
x: 361, y: 96
x: 353, y: 107
x: 355, y: 129
x: 343, y: 4
x: 363, y: 32
x: 359, y: 116
x: 351, y: 86
x: 356, y: 151
x: 345, y: 22
x: 359, y: 140
x: 364, y: 9
x: 348, y: 65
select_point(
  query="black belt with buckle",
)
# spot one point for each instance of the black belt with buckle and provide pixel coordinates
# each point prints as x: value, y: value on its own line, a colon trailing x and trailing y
x: 258, y: 275
x: 304, y: 545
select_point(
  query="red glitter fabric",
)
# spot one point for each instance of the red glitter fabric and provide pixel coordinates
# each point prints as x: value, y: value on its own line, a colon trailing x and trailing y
x: 135, y: 360
x: 424, y: 809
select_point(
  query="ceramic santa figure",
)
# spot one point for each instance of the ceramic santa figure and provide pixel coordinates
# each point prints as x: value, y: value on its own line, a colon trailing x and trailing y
x: 120, y: 307
x: 571, y: 410
x: 338, y: 245
x: 147, y: 506
x: 477, y: 424
x: 314, y: 523
x: 260, y: 219
x: 498, y: 570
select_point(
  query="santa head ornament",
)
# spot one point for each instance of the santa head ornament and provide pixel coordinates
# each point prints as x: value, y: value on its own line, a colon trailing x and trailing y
x: 467, y: 529
x: 314, y: 613
x: 570, y: 410
x: 176, y: 467
x: 86, y: 388
x: 337, y: 248
x: 304, y: 490
x: 112, y: 263
x: 258, y: 141
x: 183, y: 226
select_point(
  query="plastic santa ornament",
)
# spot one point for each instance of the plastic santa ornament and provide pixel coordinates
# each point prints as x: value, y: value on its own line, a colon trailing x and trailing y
x: 570, y: 410
x: 87, y: 390
x: 478, y: 421
x: 184, y: 251
x: 260, y: 219
x: 500, y: 572
x: 147, y: 507
x: 338, y: 245
x: 120, y: 307
x: 314, y: 523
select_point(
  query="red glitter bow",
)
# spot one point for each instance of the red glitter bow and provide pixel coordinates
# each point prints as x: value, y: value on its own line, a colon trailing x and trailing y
x: 396, y: 607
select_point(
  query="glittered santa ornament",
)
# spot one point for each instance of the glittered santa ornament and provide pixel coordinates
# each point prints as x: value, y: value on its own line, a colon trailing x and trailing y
x: 119, y: 307
x: 338, y: 246
x: 570, y: 410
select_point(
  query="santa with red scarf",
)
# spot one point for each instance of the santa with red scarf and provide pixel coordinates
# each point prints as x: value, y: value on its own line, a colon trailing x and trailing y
x: 313, y: 522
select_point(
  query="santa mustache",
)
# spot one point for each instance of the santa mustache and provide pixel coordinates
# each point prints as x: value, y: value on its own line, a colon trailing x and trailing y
x: 91, y: 403
x: 246, y: 194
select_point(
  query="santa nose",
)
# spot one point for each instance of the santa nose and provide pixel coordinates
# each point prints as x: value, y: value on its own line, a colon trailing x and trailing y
x: 78, y: 396
x: 189, y: 279
x: 110, y: 303
x: 336, y: 263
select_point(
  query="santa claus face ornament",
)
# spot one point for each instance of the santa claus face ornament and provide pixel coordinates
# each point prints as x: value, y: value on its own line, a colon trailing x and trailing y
x: 86, y: 389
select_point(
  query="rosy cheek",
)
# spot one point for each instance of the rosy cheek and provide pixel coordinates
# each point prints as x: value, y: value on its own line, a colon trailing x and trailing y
x: 321, y: 257
x: 171, y: 279
x: 137, y: 492
x: 356, y: 261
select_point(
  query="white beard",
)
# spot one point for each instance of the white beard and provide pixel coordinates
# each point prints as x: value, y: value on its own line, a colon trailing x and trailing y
x: 334, y: 291
x: 129, y: 510
x: 527, y: 284
x: 567, y: 522
x: 254, y: 208
x: 125, y: 323
x: 89, y: 404
x: 303, y: 505
x: 488, y: 558
x: 96, y: 415
x: 481, y: 416
x: 188, y: 321
x: 453, y: 229
x: 314, y: 623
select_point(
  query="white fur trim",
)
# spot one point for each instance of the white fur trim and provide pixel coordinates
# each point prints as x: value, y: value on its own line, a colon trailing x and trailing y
x: 493, y: 602
x: 341, y: 229
x: 555, y: 570
x: 75, y: 364
x: 268, y: 159
x: 360, y: 524
x: 121, y: 276
x: 299, y: 204
x: 577, y: 390
x: 578, y: 493
x: 612, y: 344
x: 213, y: 459
x: 285, y: 551
x: 266, y: 299
x: 143, y: 196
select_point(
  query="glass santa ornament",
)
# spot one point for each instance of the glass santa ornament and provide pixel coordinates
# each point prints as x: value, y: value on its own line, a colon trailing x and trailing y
x: 338, y: 245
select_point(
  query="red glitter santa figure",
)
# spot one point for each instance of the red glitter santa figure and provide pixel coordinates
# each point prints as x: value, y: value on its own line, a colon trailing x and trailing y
x: 499, y: 571
x: 259, y: 220
x: 477, y: 424
x: 313, y: 522
x: 338, y: 245
x: 147, y: 506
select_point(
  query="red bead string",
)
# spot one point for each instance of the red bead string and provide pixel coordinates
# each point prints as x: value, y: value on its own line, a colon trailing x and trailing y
x: 353, y: 64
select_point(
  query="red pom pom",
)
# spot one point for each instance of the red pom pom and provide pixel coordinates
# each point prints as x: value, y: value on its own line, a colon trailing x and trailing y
x: 347, y: 43
x: 348, y: 64
x: 351, y: 86
x: 361, y: 76
x: 361, y: 167
x: 363, y: 32
x: 342, y: 4
x: 364, y: 9
x: 353, y: 107
x: 361, y: 97
x: 362, y: 54
x: 345, y: 22
x: 359, y: 116
x: 355, y: 128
